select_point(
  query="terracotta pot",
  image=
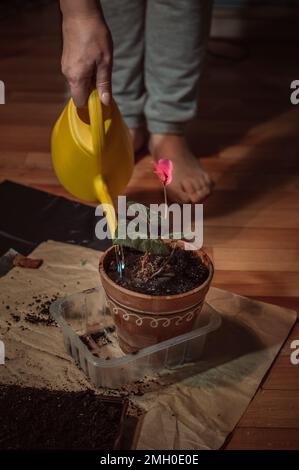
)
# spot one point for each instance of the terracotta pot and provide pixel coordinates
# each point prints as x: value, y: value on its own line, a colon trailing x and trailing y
x: 143, y: 320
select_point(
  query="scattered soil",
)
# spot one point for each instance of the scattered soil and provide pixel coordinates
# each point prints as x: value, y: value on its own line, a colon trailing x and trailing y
x: 176, y: 273
x: 140, y: 387
x: 65, y: 420
x: 15, y: 317
x: 39, y: 313
x: 103, y: 343
x: 101, y: 337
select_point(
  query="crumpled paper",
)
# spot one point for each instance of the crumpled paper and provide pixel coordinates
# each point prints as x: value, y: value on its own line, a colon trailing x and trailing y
x: 194, y: 407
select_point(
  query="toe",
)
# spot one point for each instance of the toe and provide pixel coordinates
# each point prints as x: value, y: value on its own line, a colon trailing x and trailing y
x: 189, y: 187
x: 197, y: 189
x: 205, y: 186
x: 177, y: 194
x: 202, y: 193
x: 207, y: 180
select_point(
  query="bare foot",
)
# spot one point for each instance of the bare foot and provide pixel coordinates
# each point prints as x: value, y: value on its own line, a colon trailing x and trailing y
x: 139, y: 137
x: 190, y: 182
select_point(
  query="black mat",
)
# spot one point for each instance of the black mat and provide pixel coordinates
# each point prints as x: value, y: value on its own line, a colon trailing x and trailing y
x: 29, y: 217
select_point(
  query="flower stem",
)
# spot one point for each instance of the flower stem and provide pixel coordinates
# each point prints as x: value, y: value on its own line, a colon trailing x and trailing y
x: 165, y: 200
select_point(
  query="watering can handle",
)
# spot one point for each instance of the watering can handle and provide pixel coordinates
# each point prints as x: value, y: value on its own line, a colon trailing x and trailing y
x: 97, y: 125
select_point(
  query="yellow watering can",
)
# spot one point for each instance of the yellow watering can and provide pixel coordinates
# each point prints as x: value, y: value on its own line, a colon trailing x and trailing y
x: 93, y: 161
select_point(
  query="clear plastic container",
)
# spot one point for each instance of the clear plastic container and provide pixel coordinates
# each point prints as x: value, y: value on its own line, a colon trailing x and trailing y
x: 86, y: 312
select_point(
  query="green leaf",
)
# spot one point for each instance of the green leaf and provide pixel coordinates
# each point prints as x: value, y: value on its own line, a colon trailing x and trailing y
x: 156, y: 247
x: 143, y: 243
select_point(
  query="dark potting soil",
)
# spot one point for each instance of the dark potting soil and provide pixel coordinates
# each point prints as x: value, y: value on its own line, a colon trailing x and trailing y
x: 97, y: 340
x: 159, y: 275
x: 36, y: 312
x: 40, y: 310
x: 103, y: 343
x: 45, y: 419
x: 101, y: 337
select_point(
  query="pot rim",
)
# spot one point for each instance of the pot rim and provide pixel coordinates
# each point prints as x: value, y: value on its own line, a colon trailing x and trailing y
x: 158, y: 297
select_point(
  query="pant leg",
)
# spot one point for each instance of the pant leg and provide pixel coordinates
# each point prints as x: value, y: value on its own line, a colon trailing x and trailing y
x: 176, y: 37
x: 126, y: 21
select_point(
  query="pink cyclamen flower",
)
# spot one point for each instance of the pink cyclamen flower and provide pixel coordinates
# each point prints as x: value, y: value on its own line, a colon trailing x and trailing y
x: 164, y: 168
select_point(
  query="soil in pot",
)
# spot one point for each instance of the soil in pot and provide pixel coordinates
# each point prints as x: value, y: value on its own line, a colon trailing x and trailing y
x: 44, y: 419
x: 179, y: 272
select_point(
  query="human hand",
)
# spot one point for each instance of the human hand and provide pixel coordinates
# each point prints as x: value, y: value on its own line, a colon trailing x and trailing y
x: 87, y: 56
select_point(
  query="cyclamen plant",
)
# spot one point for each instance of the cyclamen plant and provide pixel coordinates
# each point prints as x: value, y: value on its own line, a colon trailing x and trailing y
x: 164, y: 171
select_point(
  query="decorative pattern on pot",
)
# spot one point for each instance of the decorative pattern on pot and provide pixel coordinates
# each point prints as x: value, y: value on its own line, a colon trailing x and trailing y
x: 154, y: 322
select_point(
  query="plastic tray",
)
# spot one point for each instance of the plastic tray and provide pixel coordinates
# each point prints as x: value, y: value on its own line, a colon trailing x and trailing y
x: 82, y: 313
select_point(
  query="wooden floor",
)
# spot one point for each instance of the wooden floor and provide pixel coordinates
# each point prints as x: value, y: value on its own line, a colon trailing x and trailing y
x: 247, y: 136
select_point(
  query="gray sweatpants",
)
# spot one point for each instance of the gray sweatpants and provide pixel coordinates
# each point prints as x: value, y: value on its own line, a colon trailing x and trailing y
x: 159, y: 48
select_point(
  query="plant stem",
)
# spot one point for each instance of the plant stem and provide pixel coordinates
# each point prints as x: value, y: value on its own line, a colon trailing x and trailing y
x: 156, y: 273
x: 165, y: 200
x: 144, y: 260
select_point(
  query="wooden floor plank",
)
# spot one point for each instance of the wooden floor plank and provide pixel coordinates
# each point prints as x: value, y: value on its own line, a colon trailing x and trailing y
x: 264, y: 439
x: 251, y: 238
x: 273, y: 409
x: 258, y: 283
x: 284, y: 375
x: 265, y: 259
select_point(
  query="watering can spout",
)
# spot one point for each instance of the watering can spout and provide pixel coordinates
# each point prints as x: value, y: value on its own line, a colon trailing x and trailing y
x: 93, y: 160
